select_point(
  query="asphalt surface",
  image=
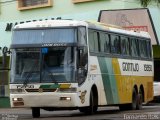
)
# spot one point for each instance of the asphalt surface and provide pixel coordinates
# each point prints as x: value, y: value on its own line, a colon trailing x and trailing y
x: 149, y: 112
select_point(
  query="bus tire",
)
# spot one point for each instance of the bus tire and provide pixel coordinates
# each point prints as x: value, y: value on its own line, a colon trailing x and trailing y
x: 83, y: 109
x: 123, y: 107
x: 133, y: 105
x: 93, y: 106
x: 35, y: 112
x: 139, y: 100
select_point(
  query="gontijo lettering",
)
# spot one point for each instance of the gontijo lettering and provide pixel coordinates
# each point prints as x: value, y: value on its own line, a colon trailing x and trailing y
x: 130, y: 66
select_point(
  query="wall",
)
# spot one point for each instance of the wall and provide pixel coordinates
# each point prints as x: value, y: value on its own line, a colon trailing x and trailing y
x: 79, y: 11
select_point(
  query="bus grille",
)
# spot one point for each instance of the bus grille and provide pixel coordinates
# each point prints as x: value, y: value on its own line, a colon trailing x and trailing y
x: 40, y: 90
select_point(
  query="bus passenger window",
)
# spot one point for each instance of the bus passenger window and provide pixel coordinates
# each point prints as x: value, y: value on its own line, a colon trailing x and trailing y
x: 82, y: 36
x: 134, y: 47
x: 104, y: 43
x: 125, y: 46
x: 96, y: 48
x: 93, y: 41
x: 115, y: 44
x: 148, y: 43
x: 143, y: 48
x: 107, y: 44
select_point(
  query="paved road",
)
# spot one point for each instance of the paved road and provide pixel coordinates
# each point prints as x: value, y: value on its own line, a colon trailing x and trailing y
x: 150, y: 112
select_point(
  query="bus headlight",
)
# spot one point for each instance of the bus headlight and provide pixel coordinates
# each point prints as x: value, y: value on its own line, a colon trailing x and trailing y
x: 17, y: 91
x: 65, y: 98
x: 17, y: 99
x: 67, y: 90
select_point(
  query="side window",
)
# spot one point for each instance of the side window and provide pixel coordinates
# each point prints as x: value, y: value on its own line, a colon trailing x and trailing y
x: 96, y: 48
x: 134, y: 47
x: 104, y: 43
x: 82, y: 64
x: 82, y: 36
x: 115, y: 44
x: 83, y: 57
x: 93, y: 41
x: 149, y: 53
x: 143, y: 48
x: 125, y: 49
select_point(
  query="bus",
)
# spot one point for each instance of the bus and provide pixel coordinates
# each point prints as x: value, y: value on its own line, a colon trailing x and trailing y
x: 69, y: 64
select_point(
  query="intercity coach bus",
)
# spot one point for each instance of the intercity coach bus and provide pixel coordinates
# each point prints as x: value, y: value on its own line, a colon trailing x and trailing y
x: 68, y: 64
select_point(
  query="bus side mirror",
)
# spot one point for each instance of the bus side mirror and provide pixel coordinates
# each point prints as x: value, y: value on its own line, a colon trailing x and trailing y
x: 82, y: 72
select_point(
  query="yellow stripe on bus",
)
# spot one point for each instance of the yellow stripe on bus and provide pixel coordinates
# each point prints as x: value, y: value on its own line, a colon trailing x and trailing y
x: 125, y: 84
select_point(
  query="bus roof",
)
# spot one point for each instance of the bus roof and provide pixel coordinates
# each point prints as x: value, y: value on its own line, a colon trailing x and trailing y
x: 51, y: 23
x: 117, y: 29
x: 73, y: 23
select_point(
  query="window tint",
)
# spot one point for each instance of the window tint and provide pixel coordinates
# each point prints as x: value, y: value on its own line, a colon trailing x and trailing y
x: 143, y: 48
x: 104, y: 43
x: 134, y: 47
x: 82, y: 36
x: 125, y: 49
x: 148, y: 44
x: 93, y: 41
x: 96, y: 49
x: 115, y: 44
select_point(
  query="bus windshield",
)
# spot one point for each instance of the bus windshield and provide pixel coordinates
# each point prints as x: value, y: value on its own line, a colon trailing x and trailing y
x: 43, y: 65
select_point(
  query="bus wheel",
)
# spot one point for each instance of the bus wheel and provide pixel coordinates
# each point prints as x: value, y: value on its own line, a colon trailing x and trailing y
x: 93, y: 103
x: 130, y: 106
x: 123, y: 107
x: 134, y: 100
x: 139, y: 100
x: 92, y: 108
x: 35, y: 112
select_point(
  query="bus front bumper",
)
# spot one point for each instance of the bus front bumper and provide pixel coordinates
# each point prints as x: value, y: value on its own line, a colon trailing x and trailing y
x: 44, y: 100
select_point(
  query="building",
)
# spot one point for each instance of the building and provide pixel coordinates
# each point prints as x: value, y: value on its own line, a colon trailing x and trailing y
x: 14, y: 12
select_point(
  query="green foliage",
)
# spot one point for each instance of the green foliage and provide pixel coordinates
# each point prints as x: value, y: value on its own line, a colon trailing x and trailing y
x: 145, y: 3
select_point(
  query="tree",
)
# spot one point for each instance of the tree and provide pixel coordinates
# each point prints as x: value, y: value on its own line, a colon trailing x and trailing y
x: 145, y: 3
